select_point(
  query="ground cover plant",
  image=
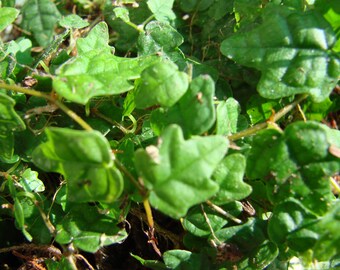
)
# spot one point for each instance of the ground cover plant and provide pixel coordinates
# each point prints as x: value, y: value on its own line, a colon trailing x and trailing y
x: 162, y: 134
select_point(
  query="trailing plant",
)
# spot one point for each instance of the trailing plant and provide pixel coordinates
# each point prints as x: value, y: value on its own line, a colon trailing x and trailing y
x: 202, y: 132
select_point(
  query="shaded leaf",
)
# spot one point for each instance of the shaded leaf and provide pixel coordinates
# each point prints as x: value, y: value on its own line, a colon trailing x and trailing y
x: 88, y: 232
x: 85, y: 159
x: 40, y: 17
x: 177, y: 172
x: 227, y: 114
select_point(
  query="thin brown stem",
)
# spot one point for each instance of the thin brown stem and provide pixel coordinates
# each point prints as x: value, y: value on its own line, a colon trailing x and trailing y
x: 50, y: 98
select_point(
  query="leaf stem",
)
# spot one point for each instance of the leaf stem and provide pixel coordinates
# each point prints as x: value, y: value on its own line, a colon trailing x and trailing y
x: 62, y: 106
x: 254, y: 129
x: 148, y: 212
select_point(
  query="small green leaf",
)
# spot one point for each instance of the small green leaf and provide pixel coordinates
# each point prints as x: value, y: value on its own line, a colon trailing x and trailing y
x: 229, y: 175
x: 160, y: 38
x: 40, y: 17
x: 88, y: 232
x: 194, y: 112
x: 291, y: 49
x: 227, y: 114
x: 161, y: 84
x: 162, y: 10
x: 73, y: 21
x: 152, y: 264
x: 85, y: 159
x: 260, y: 109
x: 7, y: 16
x: 122, y: 13
x: 96, y: 71
x: 30, y: 181
x: 178, y: 259
x: 264, y: 255
x: 177, y: 172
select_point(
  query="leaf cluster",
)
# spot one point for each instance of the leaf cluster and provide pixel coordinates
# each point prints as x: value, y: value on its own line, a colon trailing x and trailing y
x: 217, y: 116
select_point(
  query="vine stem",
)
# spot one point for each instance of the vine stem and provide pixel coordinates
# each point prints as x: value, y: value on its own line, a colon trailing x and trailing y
x: 254, y: 129
x: 62, y: 106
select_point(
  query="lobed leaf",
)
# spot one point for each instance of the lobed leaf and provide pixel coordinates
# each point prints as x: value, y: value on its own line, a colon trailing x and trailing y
x: 292, y: 50
x: 96, y: 71
x: 73, y: 21
x: 178, y: 172
x: 85, y: 160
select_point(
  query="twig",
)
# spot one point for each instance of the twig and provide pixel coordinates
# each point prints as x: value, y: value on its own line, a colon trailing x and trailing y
x: 254, y: 129
x: 61, y: 105
x: 222, y: 212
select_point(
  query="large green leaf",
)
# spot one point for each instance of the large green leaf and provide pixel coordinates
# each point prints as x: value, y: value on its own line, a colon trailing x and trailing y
x: 161, y: 84
x: 293, y: 52
x: 296, y: 163
x: 9, y: 122
x: 85, y: 159
x: 7, y: 16
x: 177, y: 172
x: 96, y: 71
x: 162, y: 10
x: 229, y: 175
x: 88, y: 231
x: 40, y: 17
x: 194, y: 112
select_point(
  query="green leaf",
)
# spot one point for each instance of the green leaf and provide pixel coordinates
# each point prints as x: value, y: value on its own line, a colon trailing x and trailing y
x: 196, y: 224
x: 73, y: 21
x: 292, y: 50
x: 327, y: 245
x: 177, y: 172
x: 88, y: 232
x: 7, y: 16
x: 295, y: 163
x: 122, y: 13
x: 160, y: 38
x: 178, y: 259
x: 85, y: 159
x: 162, y: 10
x: 227, y: 114
x: 292, y: 223
x: 260, y: 109
x: 161, y: 84
x: 95, y: 71
x: 30, y: 181
x: 194, y: 112
x: 229, y: 176
x: 152, y: 264
x: 264, y: 255
x: 9, y: 122
x: 253, y: 230
x: 40, y: 17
